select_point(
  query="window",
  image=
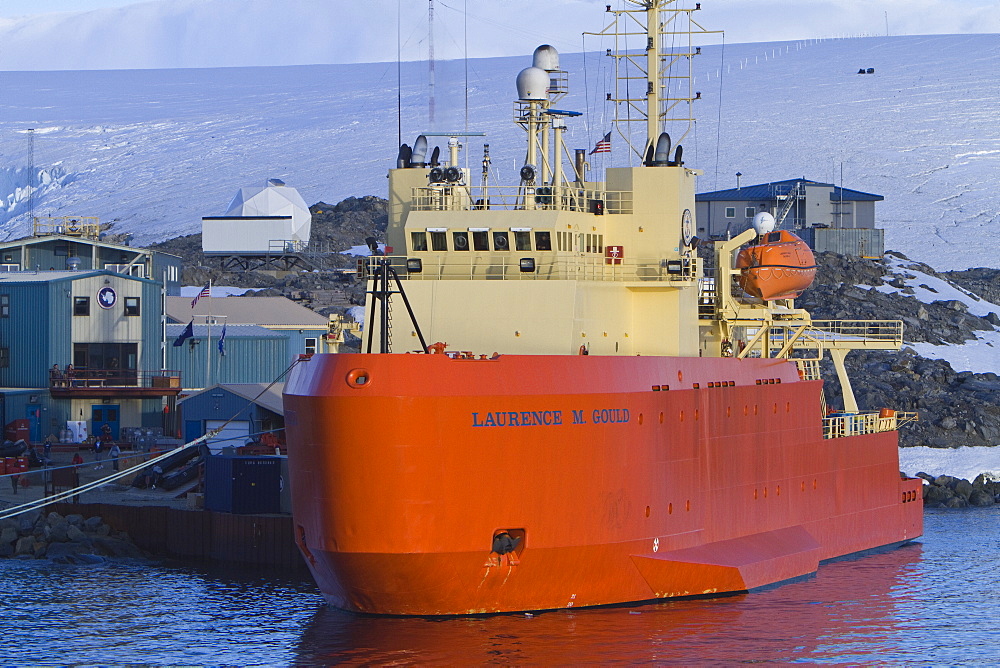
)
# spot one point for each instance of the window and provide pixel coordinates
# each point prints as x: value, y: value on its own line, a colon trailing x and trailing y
x: 522, y: 240
x: 4, y: 357
x: 481, y: 241
x: 543, y: 241
x: 4, y: 306
x: 131, y: 306
x: 730, y: 212
x: 418, y: 240
x: 439, y: 241
x: 751, y: 212
x: 500, y: 242
x: 312, y: 345
x: 81, y: 305
x: 461, y: 240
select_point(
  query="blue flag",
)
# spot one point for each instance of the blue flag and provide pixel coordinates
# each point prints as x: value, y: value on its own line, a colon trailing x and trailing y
x: 185, y: 335
x: 222, y: 341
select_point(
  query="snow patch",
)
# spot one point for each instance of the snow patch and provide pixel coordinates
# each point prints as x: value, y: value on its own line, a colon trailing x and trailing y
x: 959, y: 462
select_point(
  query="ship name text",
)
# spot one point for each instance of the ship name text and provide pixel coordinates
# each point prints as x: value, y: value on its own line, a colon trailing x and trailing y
x: 550, y: 418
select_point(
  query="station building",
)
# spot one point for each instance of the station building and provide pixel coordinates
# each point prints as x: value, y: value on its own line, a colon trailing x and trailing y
x: 84, y: 347
x: 827, y: 217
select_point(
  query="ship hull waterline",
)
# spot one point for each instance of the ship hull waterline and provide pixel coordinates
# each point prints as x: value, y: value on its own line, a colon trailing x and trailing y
x: 621, y: 479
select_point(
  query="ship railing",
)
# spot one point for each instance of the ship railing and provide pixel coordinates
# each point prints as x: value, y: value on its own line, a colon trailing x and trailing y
x: 567, y: 197
x: 808, y: 369
x: 879, y: 334
x: 841, y: 425
x: 533, y: 268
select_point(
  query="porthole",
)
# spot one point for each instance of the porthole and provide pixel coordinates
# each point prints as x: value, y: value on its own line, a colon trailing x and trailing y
x: 647, y: 511
x: 640, y: 418
x: 670, y: 509
x: 661, y: 417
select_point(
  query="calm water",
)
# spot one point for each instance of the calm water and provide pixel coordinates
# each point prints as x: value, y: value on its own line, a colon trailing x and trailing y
x: 927, y: 603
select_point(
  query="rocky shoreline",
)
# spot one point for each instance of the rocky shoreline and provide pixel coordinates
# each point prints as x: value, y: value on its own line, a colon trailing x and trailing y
x: 945, y: 491
x: 72, y: 539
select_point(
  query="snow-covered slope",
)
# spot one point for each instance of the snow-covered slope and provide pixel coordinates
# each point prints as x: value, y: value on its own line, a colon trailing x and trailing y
x: 156, y: 150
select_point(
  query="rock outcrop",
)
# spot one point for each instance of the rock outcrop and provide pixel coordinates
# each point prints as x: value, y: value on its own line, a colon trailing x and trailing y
x: 72, y: 539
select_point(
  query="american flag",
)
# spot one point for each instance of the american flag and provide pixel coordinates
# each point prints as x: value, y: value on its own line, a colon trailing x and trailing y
x: 603, y: 146
x: 205, y: 292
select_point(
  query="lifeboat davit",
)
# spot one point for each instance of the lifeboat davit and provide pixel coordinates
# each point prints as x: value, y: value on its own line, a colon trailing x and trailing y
x: 779, y: 265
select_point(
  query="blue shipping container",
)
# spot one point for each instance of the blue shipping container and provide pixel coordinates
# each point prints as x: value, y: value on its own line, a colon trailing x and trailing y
x: 243, y: 485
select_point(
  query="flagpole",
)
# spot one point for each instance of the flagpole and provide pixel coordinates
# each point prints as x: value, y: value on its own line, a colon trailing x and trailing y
x: 208, y: 349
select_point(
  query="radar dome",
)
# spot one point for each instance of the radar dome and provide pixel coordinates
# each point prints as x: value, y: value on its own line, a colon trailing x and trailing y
x: 763, y: 222
x: 532, y: 84
x: 546, y: 58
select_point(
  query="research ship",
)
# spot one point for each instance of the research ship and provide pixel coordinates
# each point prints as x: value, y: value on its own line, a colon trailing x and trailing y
x: 559, y: 404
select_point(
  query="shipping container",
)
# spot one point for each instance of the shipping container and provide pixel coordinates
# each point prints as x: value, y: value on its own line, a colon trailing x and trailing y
x: 243, y: 484
x: 859, y: 241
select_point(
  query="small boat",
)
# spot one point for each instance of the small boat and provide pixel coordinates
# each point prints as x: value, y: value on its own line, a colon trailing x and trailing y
x: 778, y: 265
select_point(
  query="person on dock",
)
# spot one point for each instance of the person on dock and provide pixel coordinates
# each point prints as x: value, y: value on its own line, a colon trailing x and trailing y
x: 115, y: 452
x: 77, y: 460
x: 99, y: 452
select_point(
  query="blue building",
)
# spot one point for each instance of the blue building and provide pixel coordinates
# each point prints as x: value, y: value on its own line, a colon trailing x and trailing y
x: 244, y: 412
x: 83, y: 346
x: 263, y: 337
x: 82, y: 244
x: 829, y: 217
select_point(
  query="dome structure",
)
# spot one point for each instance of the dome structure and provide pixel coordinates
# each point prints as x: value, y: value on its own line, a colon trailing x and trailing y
x: 267, y: 219
x: 274, y: 198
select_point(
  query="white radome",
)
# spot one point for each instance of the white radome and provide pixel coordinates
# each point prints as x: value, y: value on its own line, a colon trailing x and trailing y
x: 763, y: 222
x: 532, y: 84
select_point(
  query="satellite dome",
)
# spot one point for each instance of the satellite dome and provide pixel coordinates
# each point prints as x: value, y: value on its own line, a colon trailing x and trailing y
x: 533, y: 84
x: 546, y: 58
x: 763, y: 222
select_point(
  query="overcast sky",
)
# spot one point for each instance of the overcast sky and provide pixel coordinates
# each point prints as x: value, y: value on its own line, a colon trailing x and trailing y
x: 117, y: 34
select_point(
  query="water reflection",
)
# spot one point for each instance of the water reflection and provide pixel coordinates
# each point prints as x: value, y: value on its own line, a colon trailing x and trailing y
x: 919, y: 604
x: 852, y: 610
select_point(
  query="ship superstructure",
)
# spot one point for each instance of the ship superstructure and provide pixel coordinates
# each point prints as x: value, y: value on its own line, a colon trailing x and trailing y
x: 603, y: 422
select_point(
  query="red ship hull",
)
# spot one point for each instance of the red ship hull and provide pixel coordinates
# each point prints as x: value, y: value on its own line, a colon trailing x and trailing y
x: 620, y: 478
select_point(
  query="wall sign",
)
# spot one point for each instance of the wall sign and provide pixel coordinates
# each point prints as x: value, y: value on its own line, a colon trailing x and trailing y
x: 106, y: 297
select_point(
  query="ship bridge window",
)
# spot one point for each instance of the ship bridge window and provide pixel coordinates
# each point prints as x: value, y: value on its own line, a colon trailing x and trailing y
x: 730, y: 212
x: 439, y: 241
x: 595, y: 243
x: 480, y: 240
x: 500, y: 241
x: 543, y: 241
x: 751, y: 212
x: 522, y: 240
x: 461, y: 240
x: 418, y: 241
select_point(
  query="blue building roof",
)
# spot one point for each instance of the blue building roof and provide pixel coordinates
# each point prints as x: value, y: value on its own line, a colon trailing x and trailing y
x: 769, y: 191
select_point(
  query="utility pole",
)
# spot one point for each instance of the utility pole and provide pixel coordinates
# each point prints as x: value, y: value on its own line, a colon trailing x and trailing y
x: 430, y: 61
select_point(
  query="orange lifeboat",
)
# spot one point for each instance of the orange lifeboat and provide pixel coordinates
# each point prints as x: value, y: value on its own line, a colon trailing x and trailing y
x: 779, y: 265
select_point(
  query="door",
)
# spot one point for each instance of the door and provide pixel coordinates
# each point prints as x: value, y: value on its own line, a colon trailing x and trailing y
x: 34, y: 415
x: 105, y: 414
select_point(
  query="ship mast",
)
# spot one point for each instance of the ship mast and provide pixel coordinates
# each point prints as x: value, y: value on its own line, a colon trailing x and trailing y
x: 654, y: 80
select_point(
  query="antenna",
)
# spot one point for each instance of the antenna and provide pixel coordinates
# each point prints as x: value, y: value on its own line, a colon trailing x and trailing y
x: 31, y: 175
x: 399, y: 77
x: 664, y: 72
x: 430, y: 61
